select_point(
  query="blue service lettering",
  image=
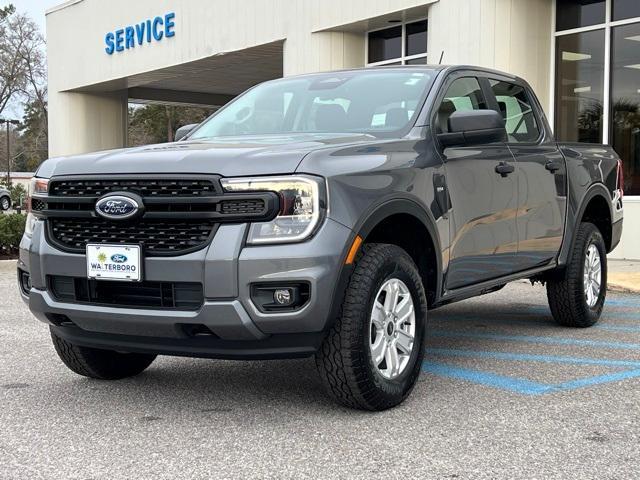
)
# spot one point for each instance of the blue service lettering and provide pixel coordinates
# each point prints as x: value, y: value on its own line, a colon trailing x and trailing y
x: 150, y: 30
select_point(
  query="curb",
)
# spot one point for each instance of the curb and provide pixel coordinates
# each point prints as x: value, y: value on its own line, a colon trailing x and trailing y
x: 617, y: 288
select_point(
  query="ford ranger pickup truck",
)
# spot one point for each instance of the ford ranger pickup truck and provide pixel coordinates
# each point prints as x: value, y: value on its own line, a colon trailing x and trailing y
x: 320, y: 215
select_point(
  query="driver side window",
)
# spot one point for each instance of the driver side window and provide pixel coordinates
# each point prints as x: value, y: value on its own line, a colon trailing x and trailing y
x: 463, y: 94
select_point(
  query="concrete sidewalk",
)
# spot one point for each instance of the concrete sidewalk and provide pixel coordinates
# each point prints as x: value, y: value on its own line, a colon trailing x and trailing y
x: 624, y: 275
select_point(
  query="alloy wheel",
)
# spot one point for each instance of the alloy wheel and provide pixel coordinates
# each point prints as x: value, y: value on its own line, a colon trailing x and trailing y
x: 592, y: 275
x: 393, y: 328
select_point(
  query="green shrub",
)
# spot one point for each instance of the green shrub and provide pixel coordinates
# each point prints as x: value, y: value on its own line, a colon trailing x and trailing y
x: 11, y: 230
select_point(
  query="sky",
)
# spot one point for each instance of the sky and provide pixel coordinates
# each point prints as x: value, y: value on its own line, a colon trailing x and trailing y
x: 35, y: 9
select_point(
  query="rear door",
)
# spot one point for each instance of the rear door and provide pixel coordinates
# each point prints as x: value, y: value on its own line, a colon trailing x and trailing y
x: 483, y: 203
x: 541, y: 173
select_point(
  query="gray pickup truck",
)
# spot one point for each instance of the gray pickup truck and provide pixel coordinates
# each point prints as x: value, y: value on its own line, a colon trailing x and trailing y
x: 320, y: 215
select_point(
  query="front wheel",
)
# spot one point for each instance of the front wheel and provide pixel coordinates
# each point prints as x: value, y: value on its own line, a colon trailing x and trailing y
x: 577, y: 294
x: 372, y: 356
x: 5, y: 203
x: 100, y: 364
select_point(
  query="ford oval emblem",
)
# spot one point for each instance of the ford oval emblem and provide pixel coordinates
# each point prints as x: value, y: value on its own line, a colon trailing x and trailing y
x: 118, y: 258
x: 117, y: 207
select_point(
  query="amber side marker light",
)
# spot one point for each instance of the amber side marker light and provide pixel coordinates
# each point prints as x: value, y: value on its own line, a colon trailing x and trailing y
x: 353, y: 250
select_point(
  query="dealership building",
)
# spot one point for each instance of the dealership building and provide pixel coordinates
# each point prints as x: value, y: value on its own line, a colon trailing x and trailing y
x: 582, y: 57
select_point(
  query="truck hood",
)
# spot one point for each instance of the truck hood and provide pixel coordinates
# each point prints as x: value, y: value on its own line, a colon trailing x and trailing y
x: 228, y: 156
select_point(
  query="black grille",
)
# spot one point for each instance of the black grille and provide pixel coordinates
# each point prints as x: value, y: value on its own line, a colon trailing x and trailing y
x: 144, y: 188
x: 161, y: 295
x: 38, y: 205
x: 178, y: 215
x: 157, y: 237
x: 242, y: 207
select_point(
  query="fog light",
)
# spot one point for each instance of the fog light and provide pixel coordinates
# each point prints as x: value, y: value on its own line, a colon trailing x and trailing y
x: 283, y: 296
x: 279, y: 297
x: 25, y: 282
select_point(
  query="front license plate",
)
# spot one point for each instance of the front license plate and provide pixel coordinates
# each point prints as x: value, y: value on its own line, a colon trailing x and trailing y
x: 114, y: 262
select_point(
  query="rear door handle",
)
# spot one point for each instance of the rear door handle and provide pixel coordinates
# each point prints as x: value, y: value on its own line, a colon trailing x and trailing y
x: 504, y: 169
x: 552, y: 166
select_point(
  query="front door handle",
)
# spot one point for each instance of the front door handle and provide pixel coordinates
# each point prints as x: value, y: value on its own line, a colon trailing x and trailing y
x: 552, y: 166
x: 504, y: 169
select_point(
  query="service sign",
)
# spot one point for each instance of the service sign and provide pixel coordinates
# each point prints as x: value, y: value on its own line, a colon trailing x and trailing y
x: 150, y: 30
x: 114, y: 262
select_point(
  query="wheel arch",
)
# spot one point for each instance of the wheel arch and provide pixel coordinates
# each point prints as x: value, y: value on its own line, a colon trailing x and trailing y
x: 595, y: 208
x: 417, y: 230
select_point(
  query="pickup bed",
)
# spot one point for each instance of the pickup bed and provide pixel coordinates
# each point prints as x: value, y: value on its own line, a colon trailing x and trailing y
x: 322, y: 215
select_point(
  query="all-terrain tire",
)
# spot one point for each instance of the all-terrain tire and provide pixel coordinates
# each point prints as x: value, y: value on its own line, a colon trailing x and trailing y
x: 100, y: 364
x: 344, y: 360
x: 565, y: 289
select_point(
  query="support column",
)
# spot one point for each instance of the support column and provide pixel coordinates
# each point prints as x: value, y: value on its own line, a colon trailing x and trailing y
x: 83, y: 122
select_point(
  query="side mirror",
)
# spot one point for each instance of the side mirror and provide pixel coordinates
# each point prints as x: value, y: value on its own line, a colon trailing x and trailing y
x: 184, y: 131
x: 474, y: 127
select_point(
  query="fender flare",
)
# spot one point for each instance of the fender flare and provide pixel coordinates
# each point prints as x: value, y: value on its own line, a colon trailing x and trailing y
x: 595, y: 190
x: 363, y: 228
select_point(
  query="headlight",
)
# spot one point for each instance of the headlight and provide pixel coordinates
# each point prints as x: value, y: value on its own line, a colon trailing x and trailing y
x: 38, y: 186
x: 302, y: 204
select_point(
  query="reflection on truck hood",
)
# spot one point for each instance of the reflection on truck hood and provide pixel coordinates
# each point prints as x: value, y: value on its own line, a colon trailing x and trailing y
x: 227, y: 156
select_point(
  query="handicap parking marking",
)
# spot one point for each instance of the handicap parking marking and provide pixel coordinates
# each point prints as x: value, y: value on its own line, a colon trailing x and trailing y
x: 522, y: 385
x: 620, y: 315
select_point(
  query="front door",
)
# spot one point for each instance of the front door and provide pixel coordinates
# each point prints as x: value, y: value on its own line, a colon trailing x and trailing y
x: 483, y: 233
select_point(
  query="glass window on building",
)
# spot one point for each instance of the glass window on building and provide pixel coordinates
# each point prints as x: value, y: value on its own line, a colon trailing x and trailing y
x: 625, y: 102
x: 515, y: 108
x: 416, y: 41
x: 385, y: 44
x: 580, y: 13
x: 579, y: 87
x: 404, y: 44
x: 623, y: 9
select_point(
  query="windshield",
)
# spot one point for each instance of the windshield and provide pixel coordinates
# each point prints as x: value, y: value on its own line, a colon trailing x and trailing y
x: 369, y: 101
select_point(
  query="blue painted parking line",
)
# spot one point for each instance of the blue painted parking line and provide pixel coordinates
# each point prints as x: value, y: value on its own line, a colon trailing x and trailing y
x: 517, y: 385
x: 536, y: 320
x: 450, y: 352
x: 522, y: 385
x: 623, y: 302
x: 608, y: 312
x: 535, y: 339
x: 617, y: 328
x: 598, y: 380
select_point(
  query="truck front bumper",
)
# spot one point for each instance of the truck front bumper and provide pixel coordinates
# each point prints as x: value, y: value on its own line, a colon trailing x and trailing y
x: 227, y: 269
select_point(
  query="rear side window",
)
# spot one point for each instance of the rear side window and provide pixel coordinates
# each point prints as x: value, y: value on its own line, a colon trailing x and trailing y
x: 515, y: 107
x: 464, y: 94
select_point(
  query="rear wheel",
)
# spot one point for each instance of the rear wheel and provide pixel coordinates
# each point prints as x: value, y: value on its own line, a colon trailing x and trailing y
x: 577, y: 294
x: 5, y: 203
x: 100, y: 364
x: 372, y: 356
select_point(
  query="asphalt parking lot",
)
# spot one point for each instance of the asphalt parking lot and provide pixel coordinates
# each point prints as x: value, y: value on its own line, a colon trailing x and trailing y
x: 505, y: 393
